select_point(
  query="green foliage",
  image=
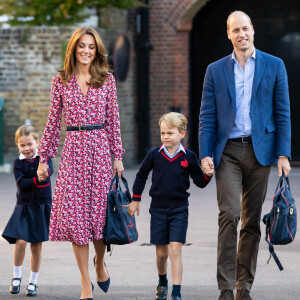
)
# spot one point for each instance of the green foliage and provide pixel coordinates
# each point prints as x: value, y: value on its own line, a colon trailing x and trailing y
x: 55, y: 12
x: 123, y: 4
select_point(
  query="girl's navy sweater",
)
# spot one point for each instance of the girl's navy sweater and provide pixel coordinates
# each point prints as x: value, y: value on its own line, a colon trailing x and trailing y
x: 29, y: 190
x: 170, y: 178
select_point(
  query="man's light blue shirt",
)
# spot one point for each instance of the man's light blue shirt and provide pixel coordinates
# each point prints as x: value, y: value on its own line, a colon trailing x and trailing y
x: 243, y: 88
x: 180, y: 148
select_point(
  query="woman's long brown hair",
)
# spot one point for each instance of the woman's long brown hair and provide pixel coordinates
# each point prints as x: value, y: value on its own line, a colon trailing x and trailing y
x: 99, y: 67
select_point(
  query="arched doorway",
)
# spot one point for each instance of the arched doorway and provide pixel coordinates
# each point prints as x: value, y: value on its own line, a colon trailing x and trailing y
x: 277, y: 31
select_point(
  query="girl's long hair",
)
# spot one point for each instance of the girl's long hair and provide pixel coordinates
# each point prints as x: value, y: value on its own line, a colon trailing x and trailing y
x: 99, y: 67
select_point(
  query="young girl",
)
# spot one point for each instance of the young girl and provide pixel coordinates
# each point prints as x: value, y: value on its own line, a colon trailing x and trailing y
x: 29, y: 222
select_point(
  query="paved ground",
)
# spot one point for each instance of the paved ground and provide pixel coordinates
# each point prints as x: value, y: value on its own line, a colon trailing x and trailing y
x: 132, y: 267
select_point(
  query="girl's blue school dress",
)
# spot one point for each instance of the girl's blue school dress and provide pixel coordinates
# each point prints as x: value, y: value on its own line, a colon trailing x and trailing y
x: 31, y: 216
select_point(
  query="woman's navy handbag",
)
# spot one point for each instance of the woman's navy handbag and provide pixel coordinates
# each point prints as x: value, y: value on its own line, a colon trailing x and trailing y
x: 120, y: 227
x: 281, y: 222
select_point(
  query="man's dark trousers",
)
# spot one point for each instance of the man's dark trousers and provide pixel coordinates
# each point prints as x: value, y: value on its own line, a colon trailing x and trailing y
x: 239, y: 173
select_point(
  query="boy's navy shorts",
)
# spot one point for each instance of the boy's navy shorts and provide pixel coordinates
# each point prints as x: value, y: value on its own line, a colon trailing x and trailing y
x: 168, y: 225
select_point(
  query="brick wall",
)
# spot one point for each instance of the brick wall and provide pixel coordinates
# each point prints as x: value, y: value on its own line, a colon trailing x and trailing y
x: 29, y: 58
x: 169, y: 65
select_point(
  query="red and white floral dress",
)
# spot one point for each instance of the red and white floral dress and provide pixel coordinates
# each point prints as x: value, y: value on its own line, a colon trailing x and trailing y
x: 85, y: 169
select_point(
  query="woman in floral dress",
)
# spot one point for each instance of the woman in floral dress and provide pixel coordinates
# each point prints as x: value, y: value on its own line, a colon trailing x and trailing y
x: 85, y: 92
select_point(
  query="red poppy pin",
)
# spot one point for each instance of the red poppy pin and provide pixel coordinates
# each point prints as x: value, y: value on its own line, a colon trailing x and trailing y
x: 184, y: 163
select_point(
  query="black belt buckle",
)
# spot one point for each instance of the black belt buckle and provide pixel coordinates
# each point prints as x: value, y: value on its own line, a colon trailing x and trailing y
x: 80, y: 126
x: 246, y: 139
x: 85, y: 127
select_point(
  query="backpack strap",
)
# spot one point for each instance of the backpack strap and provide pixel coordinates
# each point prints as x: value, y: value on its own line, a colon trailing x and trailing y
x: 286, y: 181
x: 266, y: 220
x: 272, y: 253
x: 280, y: 182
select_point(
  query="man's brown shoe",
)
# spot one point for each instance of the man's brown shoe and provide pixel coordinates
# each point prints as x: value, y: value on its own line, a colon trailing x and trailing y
x: 226, y: 295
x: 243, y: 295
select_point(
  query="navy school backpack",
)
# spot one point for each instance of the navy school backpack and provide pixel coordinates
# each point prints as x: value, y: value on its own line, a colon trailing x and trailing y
x: 120, y: 227
x: 281, y: 222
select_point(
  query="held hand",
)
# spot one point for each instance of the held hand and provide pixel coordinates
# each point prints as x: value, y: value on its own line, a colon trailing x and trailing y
x: 283, y: 165
x: 118, y: 168
x: 42, y: 172
x: 207, y: 166
x: 207, y: 170
x: 134, y: 206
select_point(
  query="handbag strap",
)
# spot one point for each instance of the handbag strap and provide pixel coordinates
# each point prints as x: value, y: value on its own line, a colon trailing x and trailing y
x: 126, y: 186
x: 125, y: 183
x: 115, y: 178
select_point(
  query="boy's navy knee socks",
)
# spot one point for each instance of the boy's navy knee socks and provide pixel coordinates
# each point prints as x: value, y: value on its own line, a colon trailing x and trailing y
x: 163, y: 281
x: 176, y: 290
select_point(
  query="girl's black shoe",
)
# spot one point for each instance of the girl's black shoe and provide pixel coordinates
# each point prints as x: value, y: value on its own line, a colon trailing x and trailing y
x: 15, y: 289
x: 31, y: 292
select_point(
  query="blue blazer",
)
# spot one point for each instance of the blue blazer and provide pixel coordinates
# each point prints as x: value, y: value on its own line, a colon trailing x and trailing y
x: 269, y: 109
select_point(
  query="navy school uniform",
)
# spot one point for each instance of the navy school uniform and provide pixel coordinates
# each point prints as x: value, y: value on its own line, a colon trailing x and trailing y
x: 170, y: 182
x: 31, y: 216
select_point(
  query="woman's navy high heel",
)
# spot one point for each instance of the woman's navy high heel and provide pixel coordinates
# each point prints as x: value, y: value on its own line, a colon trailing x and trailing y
x: 103, y: 285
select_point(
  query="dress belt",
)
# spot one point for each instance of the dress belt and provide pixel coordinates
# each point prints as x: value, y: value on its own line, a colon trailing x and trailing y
x: 85, y: 127
x: 244, y: 139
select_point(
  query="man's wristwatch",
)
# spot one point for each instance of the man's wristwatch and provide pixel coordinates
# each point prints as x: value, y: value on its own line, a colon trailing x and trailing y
x: 281, y: 156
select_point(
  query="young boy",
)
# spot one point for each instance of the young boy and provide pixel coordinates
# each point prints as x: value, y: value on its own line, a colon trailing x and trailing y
x: 172, y: 165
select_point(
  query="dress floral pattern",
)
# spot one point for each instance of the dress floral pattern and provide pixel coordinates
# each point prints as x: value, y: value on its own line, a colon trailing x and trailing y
x: 85, y: 170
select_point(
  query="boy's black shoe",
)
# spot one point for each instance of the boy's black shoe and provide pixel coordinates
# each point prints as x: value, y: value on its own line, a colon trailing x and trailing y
x: 226, y: 295
x: 31, y: 292
x: 161, y: 292
x: 176, y: 298
x: 15, y: 289
x: 243, y: 295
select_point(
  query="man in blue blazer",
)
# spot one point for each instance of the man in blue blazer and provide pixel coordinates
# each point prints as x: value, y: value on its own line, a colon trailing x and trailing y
x: 244, y: 128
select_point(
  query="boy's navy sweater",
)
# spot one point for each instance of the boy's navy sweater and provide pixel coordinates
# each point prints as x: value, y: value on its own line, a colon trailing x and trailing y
x: 170, y: 178
x: 29, y: 190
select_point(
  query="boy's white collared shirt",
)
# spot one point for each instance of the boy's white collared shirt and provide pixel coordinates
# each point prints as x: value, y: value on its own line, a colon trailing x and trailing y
x: 180, y: 148
x: 22, y: 156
